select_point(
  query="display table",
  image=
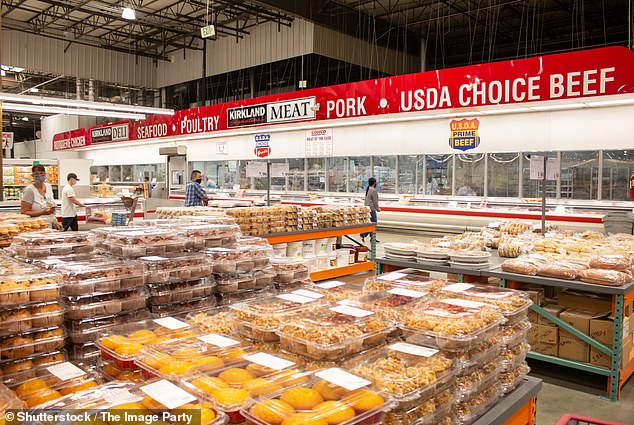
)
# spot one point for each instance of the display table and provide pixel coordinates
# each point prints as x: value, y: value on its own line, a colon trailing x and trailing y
x: 516, y: 408
x: 305, y: 235
x: 622, y: 297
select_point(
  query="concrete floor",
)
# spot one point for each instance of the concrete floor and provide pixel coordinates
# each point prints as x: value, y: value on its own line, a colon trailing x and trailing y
x: 565, y: 390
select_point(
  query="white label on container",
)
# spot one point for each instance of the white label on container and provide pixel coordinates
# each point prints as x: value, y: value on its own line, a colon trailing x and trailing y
x: 65, y: 371
x: 153, y: 258
x: 458, y: 287
x: 116, y: 396
x: 171, y: 323
x: 331, y: 284
x: 267, y: 360
x: 343, y: 379
x: 415, y: 350
x: 295, y: 298
x: 392, y: 276
x: 351, y: 311
x: 406, y: 292
x: 218, y: 340
x: 168, y: 394
x: 306, y: 293
x: 463, y: 303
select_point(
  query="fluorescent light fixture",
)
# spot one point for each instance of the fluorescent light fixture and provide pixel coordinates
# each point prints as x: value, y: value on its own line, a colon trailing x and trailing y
x: 558, y: 107
x: 40, y: 100
x: 25, y: 118
x: 34, y: 90
x: 505, y: 111
x: 128, y: 13
x: 50, y: 110
x: 11, y: 68
x: 611, y: 102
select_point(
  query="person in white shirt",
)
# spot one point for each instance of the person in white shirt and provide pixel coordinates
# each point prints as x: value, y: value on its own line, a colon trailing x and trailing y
x: 37, y: 198
x: 69, y: 201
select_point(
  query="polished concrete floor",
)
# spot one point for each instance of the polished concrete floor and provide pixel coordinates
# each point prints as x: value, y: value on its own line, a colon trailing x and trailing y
x: 565, y: 390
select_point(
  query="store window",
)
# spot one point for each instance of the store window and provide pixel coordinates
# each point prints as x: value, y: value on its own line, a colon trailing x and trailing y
x: 503, y: 174
x: 407, y: 172
x: 532, y: 188
x: 337, y: 174
x: 127, y: 173
x: 618, y: 167
x: 241, y: 175
x: 115, y: 173
x: 385, y: 173
x: 470, y: 174
x: 99, y: 173
x: 316, y: 174
x: 579, y: 175
x: 439, y: 174
x: 359, y: 174
x: 296, y: 169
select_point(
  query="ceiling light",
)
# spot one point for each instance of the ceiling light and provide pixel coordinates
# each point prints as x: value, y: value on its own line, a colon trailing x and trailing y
x: 128, y: 13
x: 50, y: 110
x: 3, y: 73
x: 11, y: 68
x: 25, y: 118
x: 558, y: 107
x: 611, y: 102
x: 34, y: 90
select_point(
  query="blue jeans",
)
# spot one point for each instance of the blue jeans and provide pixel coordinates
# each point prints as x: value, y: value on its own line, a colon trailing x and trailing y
x: 373, y: 219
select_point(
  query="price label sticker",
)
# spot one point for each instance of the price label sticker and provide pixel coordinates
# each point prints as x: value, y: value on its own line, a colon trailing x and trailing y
x: 218, y: 340
x: 153, y: 258
x: 392, y: 276
x: 306, y: 293
x: 410, y: 293
x: 295, y: 298
x: 351, y: 311
x: 415, y: 350
x: 168, y: 394
x: 65, y: 371
x: 458, y: 287
x: 171, y: 323
x: 270, y: 361
x: 331, y: 284
x: 463, y: 303
x: 343, y: 379
x: 116, y: 396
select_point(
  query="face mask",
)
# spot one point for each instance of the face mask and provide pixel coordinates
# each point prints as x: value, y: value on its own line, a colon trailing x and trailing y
x: 198, y: 181
x: 40, y: 179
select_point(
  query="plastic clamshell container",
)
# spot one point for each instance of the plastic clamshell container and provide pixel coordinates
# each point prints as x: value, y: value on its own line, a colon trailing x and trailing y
x: 110, y: 372
x: 508, y: 381
x: 29, y: 287
x: 88, y: 330
x: 347, y: 402
x: 452, y: 324
x: 405, y: 372
x: 175, y: 293
x: 407, y: 278
x: 469, y: 411
x: 332, y: 333
x: 289, y: 270
x: 511, y: 358
x: 258, y: 319
x: 473, y: 383
x: 51, y: 382
x: 264, y: 278
x: 511, y: 335
x: 85, y: 278
x: 253, y: 240
x: 391, y: 305
x: 212, y: 320
x: 429, y: 412
x: 484, y: 353
x: 231, y: 260
x: 144, y: 242
x: 35, y: 316
x: 208, y: 235
x: 43, y: 244
x: 120, y: 344
x: 176, y: 358
x: 26, y: 364
x: 335, y: 291
x: 138, y: 398
x: 85, y: 307
x: 8, y: 401
x: 162, y: 310
x: 177, y: 267
x: 83, y: 353
x: 252, y: 374
x: 27, y: 344
x: 512, y: 303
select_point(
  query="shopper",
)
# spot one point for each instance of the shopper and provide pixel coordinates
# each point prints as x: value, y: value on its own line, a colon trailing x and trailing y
x: 37, y: 198
x: 372, y: 201
x: 150, y: 186
x: 69, y: 203
x: 195, y: 195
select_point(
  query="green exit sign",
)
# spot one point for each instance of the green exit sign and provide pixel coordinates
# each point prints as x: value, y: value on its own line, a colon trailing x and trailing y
x: 208, y: 31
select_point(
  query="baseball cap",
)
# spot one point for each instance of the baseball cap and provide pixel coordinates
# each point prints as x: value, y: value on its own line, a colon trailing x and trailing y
x: 72, y: 176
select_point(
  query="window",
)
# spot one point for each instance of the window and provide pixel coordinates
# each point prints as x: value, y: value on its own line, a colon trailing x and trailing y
x: 503, y: 175
x: 241, y: 174
x: 115, y: 173
x: 579, y: 175
x: 618, y: 167
x: 316, y: 174
x: 127, y: 173
x: 359, y: 174
x: 337, y: 174
x: 385, y: 173
x: 99, y: 174
x: 296, y: 174
x: 532, y: 188
x: 439, y: 174
x: 407, y: 165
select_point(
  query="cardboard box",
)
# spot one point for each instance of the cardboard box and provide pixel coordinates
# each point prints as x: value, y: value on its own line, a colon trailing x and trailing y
x: 536, y: 296
x: 553, y: 309
x: 602, y: 329
x: 533, y: 317
x: 545, y: 348
x: 585, y: 301
x: 597, y: 358
x: 548, y: 334
x: 533, y: 335
x: 573, y: 349
x: 578, y: 319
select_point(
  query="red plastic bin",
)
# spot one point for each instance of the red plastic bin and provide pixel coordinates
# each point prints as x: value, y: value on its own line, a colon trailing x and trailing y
x: 584, y: 420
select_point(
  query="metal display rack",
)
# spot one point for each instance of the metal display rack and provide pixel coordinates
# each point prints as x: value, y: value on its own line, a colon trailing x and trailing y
x: 622, y: 297
x: 516, y: 408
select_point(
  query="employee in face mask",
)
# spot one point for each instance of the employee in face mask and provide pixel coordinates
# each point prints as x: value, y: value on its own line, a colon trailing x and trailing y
x: 37, y: 198
x: 69, y: 203
x: 195, y: 195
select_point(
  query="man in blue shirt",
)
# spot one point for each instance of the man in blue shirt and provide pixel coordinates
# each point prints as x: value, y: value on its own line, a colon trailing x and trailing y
x: 195, y: 195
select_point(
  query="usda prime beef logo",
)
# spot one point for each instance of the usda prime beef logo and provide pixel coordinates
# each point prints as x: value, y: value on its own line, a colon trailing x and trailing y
x: 270, y: 113
x: 262, y: 147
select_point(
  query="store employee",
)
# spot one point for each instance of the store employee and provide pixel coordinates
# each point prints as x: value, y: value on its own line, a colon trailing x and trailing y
x: 69, y: 212
x: 195, y: 195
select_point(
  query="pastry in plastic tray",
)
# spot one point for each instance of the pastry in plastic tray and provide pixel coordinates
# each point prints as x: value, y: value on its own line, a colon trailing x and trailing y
x: 475, y: 381
x: 234, y: 282
x: 433, y: 411
x: 28, y: 287
x: 109, y: 276
x: 147, y: 242
x: 508, y: 381
x: 179, y: 292
x: 289, y: 270
x: 44, y: 239
x: 335, y: 291
x: 259, y: 318
x: 200, y: 236
x: 470, y: 410
x: 214, y: 320
x: 83, y: 353
x: 34, y: 316
x: 25, y: 365
x: 321, y: 400
x: 486, y: 352
x: 51, y: 382
x: 514, y: 228
x: 25, y: 345
x: 520, y: 266
x: 230, y: 298
x: 452, y: 324
x: 110, y: 372
x: 408, y: 278
x: 182, y: 307
x: 252, y: 240
x: 391, y: 305
x: 512, y: 357
x: 332, y: 333
x: 176, y: 267
x: 84, y: 307
x: 558, y: 270
x: 605, y: 277
x: 154, y: 396
x: 88, y: 330
x: 511, y: 335
x: 264, y: 278
x: 231, y: 260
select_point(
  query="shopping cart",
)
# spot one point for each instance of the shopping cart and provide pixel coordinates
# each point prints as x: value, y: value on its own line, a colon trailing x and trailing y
x: 584, y: 420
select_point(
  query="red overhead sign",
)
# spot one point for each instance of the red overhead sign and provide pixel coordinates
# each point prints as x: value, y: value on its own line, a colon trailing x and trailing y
x: 581, y: 74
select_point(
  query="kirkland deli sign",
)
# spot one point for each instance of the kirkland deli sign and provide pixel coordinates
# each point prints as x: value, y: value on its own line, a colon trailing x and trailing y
x: 113, y: 133
x: 271, y: 113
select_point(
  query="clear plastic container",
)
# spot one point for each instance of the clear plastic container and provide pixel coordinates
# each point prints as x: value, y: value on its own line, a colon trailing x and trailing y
x: 8, y: 401
x: 230, y: 298
x: 289, y: 270
x: 231, y: 260
x: 335, y: 291
x: 332, y: 333
x: 175, y: 293
x: 510, y: 380
x: 110, y: 372
x: 391, y: 305
x: 88, y: 330
x: 234, y: 282
x: 83, y: 353
x: 513, y: 304
x: 511, y: 335
x: 430, y: 412
x: 84, y: 278
x: 359, y: 403
x: 51, y: 382
x: 28, y: 287
x: 484, y: 353
x: 473, y: 383
x: 407, y: 278
x: 512, y: 358
x: 181, y: 308
x: 28, y: 344
x: 212, y: 320
x: 264, y: 278
x: 405, y: 372
x: 44, y: 244
x: 467, y: 412
x: 35, y: 316
x: 79, y: 308
x: 452, y: 324
x: 201, y: 236
x: 177, y: 267
x: 145, y: 242
x: 258, y: 319
x: 25, y: 365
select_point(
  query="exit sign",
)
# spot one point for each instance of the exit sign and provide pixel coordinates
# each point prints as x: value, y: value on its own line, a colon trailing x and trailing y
x: 208, y: 31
